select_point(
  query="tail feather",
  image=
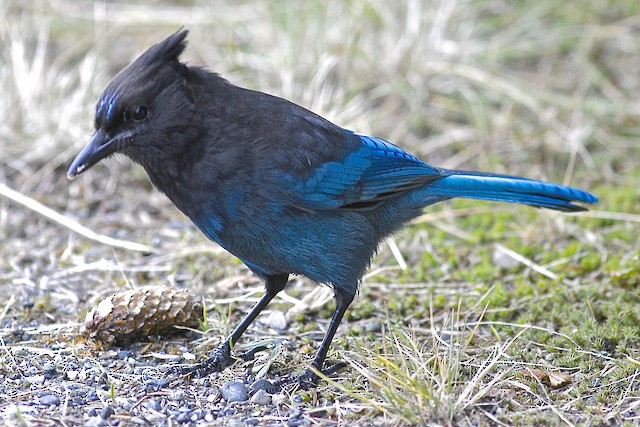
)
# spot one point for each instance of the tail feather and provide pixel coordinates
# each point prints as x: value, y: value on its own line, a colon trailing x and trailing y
x: 504, y: 188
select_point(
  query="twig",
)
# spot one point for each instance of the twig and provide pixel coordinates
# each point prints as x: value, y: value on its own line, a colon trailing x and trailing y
x: 616, y: 216
x: 526, y: 261
x: 395, y: 250
x: 71, y: 224
x: 7, y: 307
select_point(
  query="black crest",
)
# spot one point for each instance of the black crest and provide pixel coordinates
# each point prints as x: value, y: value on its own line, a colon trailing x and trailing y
x: 142, y: 75
x: 167, y: 50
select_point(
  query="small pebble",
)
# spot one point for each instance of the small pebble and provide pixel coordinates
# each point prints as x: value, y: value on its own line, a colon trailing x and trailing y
x: 372, y: 326
x: 261, y: 384
x: 35, y: 379
x: 188, y: 356
x: 78, y: 401
x: 275, y: 320
x: 198, y: 414
x: 183, y: 418
x: 503, y: 260
x: 162, y: 382
x: 49, y: 399
x: 106, y: 412
x: 261, y: 398
x: 252, y: 421
x: 124, y: 354
x: 72, y: 375
x: 279, y: 399
x: 202, y: 382
x: 95, y: 422
x: 234, y: 391
x: 178, y: 396
x: 49, y: 370
x: 296, y: 422
x: 153, y: 384
x: 153, y: 404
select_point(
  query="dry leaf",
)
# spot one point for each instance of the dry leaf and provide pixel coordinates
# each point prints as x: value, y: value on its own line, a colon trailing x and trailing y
x: 554, y: 379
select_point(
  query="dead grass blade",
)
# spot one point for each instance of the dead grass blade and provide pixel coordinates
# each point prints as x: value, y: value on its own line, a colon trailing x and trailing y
x: 72, y: 225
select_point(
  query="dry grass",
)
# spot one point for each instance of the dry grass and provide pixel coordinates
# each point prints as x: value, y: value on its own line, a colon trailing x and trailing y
x: 548, y: 89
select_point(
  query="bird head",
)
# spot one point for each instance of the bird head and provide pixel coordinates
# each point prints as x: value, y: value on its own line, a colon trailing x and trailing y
x: 142, y: 109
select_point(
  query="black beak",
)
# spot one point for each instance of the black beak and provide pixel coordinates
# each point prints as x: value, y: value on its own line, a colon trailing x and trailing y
x: 99, y: 146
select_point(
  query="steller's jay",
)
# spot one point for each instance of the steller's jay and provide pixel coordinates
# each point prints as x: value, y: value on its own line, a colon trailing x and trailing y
x: 281, y: 188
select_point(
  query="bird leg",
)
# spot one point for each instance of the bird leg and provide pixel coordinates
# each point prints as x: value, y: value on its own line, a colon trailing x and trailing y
x: 220, y: 358
x: 308, y: 378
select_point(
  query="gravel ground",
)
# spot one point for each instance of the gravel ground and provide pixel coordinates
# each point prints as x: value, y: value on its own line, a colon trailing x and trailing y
x: 71, y: 382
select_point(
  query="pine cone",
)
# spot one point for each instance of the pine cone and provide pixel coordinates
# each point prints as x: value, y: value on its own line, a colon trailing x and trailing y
x: 136, y: 314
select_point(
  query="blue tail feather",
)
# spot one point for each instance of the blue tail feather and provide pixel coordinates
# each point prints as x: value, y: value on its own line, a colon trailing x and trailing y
x: 504, y: 188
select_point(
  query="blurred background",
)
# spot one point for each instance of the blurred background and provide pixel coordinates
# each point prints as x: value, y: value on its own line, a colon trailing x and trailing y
x: 547, y: 89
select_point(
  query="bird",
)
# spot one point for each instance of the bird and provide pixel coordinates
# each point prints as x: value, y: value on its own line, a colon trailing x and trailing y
x: 281, y: 188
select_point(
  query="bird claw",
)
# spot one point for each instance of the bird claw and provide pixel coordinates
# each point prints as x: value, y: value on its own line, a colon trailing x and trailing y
x: 251, y: 354
x: 218, y: 359
x: 306, y: 379
x: 303, y: 381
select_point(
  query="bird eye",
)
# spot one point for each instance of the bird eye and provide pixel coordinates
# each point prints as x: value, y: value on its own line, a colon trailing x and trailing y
x: 139, y: 112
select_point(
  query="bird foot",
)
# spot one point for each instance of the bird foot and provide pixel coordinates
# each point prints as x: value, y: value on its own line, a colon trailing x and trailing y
x: 302, y: 381
x: 306, y: 379
x: 218, y: 359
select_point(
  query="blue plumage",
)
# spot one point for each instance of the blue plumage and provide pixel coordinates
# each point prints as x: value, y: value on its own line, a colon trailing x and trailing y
x: 503, y: 188
x: 377, y: 170
x: 373, y: 171
x: 281, y: 188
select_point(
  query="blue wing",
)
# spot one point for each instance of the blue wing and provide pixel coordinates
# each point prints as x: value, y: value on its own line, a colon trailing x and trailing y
x: 374, y: 171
